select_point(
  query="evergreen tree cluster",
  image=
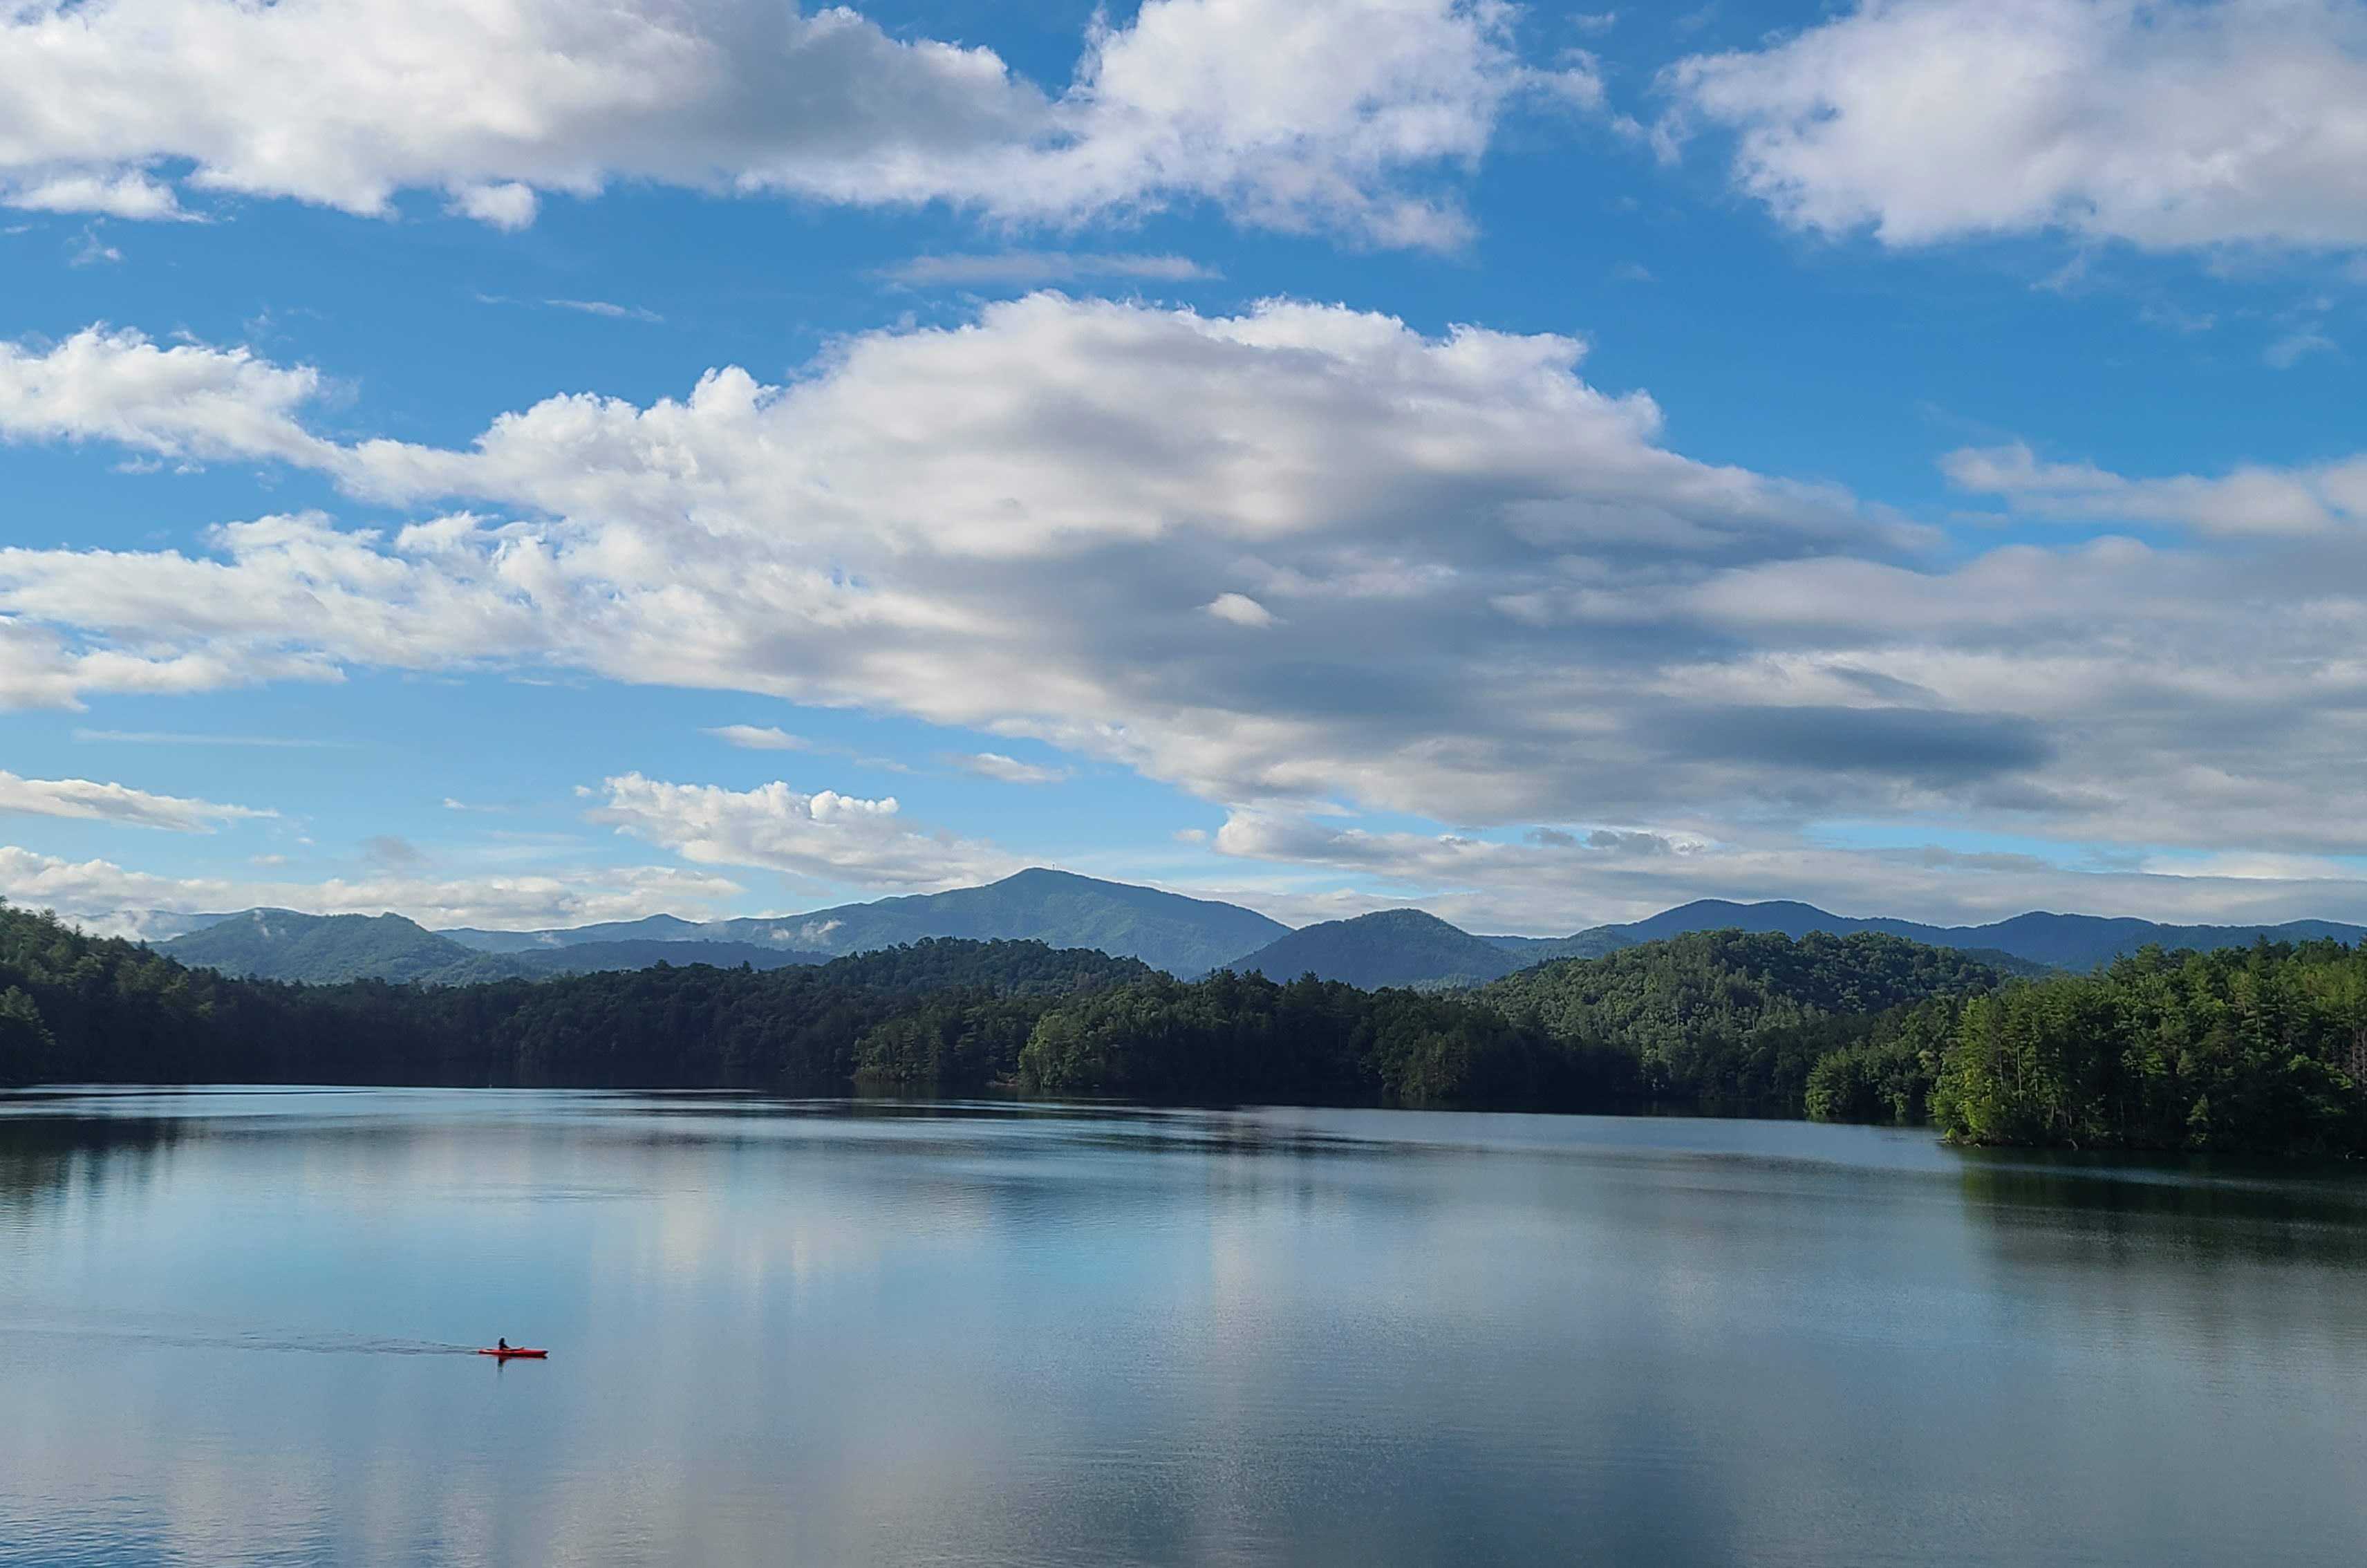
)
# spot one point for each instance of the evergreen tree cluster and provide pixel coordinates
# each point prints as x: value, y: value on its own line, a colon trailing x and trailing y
x: 2257, y: 1050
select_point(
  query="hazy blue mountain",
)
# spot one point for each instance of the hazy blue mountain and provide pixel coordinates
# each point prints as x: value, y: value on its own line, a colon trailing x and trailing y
x: 1185, y: 935
x: 655, y: 929
x: 1589, y: 944
x: 2057, y: 941
x: 1393, y: 946
x: 1402, y: 948
x: 279, y: 944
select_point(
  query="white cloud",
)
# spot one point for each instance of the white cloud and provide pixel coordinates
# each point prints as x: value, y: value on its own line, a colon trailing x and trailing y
x: 759, y: 737
x: 1241, y: 609
x: 509, y: 205
x: 1498, y: 596
x: 982, y: 527
x: 2252, y: 500
x: 826, y: 837
x: 1006, y: 769
x: 116, y: 802
x: 185, y: 400
x: 109, y: 898
x: 2164, y: 122
x: 1295, y: 113
x: 124, y: 193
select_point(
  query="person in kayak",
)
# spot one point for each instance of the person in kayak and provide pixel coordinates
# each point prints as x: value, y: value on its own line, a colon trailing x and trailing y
x: 501, y: 1345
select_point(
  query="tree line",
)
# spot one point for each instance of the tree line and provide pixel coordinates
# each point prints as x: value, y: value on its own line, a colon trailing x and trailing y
x: 2252, y: 1049
x: 78, y: 1009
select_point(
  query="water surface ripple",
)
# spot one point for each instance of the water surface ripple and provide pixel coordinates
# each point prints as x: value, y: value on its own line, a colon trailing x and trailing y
x: 234, y: 1326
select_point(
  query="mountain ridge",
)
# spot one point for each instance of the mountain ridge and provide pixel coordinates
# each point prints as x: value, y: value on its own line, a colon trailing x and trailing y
x: 325, y: 949
x: 1185, y: 935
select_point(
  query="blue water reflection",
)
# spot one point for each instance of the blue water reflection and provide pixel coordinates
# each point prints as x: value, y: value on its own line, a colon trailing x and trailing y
x: 233, y: 1326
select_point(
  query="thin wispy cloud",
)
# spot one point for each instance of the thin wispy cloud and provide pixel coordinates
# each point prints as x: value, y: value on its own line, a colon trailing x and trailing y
x: 2293, y: 347
x: 765, y: 737
x: 1006, y: 769
x: 605, y: 308
x: 760, y: 738
x: 1037, y: 267
x: 91, y: 800
x: 93, y: 251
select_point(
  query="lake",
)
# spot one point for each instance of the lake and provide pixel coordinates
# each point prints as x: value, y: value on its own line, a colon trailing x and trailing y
x: 235, y: 1326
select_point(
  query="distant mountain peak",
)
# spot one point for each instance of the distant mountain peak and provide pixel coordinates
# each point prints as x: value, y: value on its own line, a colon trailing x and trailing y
x: 1173, y: 931
x: 1387, y: 946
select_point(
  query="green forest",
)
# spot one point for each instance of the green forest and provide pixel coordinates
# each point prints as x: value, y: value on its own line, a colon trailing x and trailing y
x: 2260, y: 1050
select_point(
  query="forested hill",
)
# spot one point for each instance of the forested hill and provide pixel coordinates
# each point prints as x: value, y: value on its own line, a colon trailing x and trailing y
x: 1714, y: 1018
x: 1727, y: 982
x: 280, y: 943
x: 75, y: 1008
x: 2260, y: 1050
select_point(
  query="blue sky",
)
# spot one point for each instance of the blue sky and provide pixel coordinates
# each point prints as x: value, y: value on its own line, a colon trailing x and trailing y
x: 517, y: 465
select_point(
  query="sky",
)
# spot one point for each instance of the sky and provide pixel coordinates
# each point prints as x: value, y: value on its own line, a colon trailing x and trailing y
x: 516, y: 463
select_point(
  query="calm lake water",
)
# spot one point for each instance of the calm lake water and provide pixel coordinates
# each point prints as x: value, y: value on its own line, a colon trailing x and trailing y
x: 233, y: 1326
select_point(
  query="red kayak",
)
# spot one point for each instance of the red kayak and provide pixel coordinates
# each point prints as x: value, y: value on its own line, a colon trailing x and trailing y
x: 514, y: 1353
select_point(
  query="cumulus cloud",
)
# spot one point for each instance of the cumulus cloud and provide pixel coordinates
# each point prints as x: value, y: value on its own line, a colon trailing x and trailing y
x: 2164, y: 122
x: 980, y: 525
x: 185, y: 400
x: 1293, y: 113
x: 1496, y: 594
x: 116, y: 802
x: 825, y: 837
x: 107, y: 897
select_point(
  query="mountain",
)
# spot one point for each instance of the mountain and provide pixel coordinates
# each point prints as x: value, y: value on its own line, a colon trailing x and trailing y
x: 322, y: 949
x: 2057, y: 941
x: 1731, y: 1015
x: 279, y: 944
x: 1588, y: 944
x: 1185, y: 935
x: 1393, y: 946
x: 655, y: 929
